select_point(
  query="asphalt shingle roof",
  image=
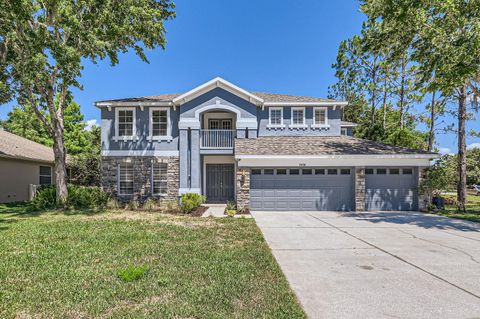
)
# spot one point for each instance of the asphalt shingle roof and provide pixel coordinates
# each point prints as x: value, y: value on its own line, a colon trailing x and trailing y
x: 316, y: 145
x: 15, y: 146
x: 267, y: 97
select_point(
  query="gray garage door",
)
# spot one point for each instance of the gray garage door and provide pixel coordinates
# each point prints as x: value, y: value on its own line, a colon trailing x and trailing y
x: 391, y: 189
x: 301, y: 189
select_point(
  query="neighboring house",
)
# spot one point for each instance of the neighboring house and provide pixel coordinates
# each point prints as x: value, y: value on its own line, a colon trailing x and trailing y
x: 265, y: 151
x: 22, y: 163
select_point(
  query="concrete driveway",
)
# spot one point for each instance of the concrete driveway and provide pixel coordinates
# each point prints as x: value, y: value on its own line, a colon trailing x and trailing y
x: 377, y: 265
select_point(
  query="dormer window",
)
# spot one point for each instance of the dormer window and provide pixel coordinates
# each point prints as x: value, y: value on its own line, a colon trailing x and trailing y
x: 275, y: 117
x: 320, y: 116
x: 298, y: 116
x: 125, y: 123
x: 160, y: 127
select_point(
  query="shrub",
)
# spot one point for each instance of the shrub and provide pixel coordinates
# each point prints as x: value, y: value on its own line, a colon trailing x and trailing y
x: 113, y: 203
x: 132, y: 273
x: 45, y: 198
x: 231, y: 206
x: 231, y: 212
x: 191, y: 201
x: 86, y: 197
x: 170, y: 207
x: 150, y: 204
x: 78, y: 197
x: 133, y: 205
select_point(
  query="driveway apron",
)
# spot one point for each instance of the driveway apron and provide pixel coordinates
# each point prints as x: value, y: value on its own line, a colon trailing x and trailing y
x: 377, y: 264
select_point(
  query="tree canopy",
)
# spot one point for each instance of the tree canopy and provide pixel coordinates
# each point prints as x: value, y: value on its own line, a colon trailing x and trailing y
x: 43, y: 45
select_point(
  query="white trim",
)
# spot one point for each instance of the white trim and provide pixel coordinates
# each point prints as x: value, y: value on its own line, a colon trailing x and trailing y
x: 320, y: 161
x: 182, y: 191
x: 141, y: 153
x: 167, y: 137
x: 325, y: 123
x: 333, y: 103
x: 349, y: 156
x: 134, y: 125
x: 194, y: 122
x: 270, y: 125
x: 304, y: 124
x: 135, y: 104
x: 342, y: 129
x: 349, y: 125
x: 216, y: 82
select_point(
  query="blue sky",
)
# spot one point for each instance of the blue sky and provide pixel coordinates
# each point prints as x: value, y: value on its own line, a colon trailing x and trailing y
x: 265, y: 45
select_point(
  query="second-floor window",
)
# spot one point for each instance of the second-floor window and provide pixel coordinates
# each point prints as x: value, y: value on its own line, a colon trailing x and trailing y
x: 320, y: 116
x: 298, y: 116
x: 160, y: 122
x: 276, y: 116
x: 125, y: 119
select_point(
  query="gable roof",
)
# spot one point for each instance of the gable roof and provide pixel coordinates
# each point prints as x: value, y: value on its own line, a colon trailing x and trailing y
x: 14, y: 146
x: 258, y: 98
x: 319, y: 145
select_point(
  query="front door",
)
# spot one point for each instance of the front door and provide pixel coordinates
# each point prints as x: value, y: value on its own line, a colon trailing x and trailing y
x: 220, y: 183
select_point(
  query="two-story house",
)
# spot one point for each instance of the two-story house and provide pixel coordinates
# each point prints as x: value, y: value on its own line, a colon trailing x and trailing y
x: 265, y: 151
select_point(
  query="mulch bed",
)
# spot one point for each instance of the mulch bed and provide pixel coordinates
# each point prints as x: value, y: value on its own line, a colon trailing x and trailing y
x: 199, y: 211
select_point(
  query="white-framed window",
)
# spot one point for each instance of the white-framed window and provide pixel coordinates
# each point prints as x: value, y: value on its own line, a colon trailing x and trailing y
x: 320, y: 116
x: 159, y: 178
x: 275, y: 117
x: 160, y: 126
x: 125, y: 178
x: 125, y: 123
x: 298, y: 117
x: 45, y: 175
x: 344, y: 131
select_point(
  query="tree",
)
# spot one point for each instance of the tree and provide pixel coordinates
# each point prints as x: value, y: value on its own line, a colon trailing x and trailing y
x: 43, y: 43
x: 369, y: 78
x: 443, y: 37
x: 23, y: 122
x: 85, y: 167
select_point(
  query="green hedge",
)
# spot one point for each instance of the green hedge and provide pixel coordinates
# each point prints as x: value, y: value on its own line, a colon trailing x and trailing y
x: 78, y: 197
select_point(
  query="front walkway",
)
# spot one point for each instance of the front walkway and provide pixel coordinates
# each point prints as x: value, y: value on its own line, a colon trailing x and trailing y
x: 377, y: 265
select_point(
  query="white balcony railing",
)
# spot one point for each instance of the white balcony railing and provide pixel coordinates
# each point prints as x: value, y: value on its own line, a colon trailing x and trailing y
x: 217, y: 139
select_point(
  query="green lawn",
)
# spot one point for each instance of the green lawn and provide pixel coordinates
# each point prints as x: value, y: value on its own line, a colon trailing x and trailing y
x: 473, y: 209
x: 67, y: 265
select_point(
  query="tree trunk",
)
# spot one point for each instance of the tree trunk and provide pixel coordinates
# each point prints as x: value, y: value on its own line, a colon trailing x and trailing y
x: 384, y: 119
x: 402, y: 94
x: 60, y: 153
x: 431, y: 133
x: 374, y: 89
x: 462, y: 149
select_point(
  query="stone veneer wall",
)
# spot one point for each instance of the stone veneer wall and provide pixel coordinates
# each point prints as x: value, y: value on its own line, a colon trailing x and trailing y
x: 142, y: 167
x: 243, y: 188
x: 424, y: 197
x: 360, y: 189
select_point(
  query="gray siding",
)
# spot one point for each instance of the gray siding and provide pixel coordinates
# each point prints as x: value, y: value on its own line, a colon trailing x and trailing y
x: 247, y: 109
x: 142, y: 128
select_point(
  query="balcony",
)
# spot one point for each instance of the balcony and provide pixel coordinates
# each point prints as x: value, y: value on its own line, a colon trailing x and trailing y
x: 217, y: 139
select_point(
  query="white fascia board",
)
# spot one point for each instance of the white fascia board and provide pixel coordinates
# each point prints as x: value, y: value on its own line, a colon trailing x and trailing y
x: 333, y: 103
x: 349, y: 125
x: 335, y: 160
x: 141, y: 153
x: 134, y: 104
x: 216, y: 82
